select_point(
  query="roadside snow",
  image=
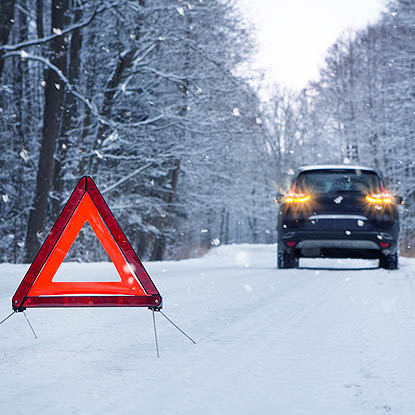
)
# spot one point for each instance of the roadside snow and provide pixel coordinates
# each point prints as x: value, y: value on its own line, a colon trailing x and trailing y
x: 333, y: 337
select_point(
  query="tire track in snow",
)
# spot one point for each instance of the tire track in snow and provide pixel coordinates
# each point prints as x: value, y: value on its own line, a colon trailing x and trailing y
x: 291, y: 307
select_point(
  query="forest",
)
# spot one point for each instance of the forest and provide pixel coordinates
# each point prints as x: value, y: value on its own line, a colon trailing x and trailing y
x: 156, y: 101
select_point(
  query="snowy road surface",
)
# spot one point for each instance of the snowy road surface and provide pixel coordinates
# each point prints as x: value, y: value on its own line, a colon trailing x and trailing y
x: 333, y: 337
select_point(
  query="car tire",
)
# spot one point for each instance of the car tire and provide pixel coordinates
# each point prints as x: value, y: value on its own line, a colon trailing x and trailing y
x: 389, y: 261
x: 286, y: 259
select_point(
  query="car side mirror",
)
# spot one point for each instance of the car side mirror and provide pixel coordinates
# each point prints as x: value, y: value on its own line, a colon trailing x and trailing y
x: 399, y: 200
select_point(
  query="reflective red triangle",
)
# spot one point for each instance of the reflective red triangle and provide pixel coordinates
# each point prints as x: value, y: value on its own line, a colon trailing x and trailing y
x: 135, y: 288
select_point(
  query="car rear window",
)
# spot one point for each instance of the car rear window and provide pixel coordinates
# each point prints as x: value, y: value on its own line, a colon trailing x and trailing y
x: 338, y: 181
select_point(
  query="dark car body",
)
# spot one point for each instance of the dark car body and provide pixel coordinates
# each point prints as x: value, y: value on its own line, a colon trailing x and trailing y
x: 338, y: 212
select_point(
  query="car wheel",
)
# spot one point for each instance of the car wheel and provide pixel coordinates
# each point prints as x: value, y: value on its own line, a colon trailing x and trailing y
x: 286, y: 259
x: 388, y: 261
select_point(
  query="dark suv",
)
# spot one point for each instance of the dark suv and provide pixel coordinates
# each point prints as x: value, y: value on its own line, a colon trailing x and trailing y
x: 338, y: 212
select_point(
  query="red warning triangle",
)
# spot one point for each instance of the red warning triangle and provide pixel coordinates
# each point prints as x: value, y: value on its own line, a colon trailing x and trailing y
x: 135, y: 288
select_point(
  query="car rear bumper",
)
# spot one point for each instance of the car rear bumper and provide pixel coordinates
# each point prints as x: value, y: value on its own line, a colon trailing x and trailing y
x: 337, y: 243
x: 354, y: 244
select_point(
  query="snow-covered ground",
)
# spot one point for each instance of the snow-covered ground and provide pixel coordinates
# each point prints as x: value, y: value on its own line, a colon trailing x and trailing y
x: 333, y: 337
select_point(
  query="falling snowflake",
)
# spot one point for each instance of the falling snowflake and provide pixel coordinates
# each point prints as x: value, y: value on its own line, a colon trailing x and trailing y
x: 236, y: 112
x: 215, y: 242
x: 24, y: 154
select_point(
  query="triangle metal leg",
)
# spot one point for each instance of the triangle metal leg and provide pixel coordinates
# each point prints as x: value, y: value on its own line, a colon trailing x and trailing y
x: 14, y: 312
x: 28, y: 322
x: 155, y: 334
x: 177, y: 327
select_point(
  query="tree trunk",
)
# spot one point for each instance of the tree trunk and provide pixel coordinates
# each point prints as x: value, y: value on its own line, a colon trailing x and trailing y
x: 161, y: 242
x: 6, y: 22
x: 54, y: 89
x: 39, y: 18
x: 68, y: 113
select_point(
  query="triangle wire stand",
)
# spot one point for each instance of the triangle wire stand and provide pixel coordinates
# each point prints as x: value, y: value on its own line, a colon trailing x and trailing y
x: 27, y: 319
x: 12, y: 314
x: 153, y: 309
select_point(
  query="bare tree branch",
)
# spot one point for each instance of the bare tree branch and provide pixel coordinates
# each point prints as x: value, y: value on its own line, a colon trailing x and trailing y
x: 90, y: 104
x: 71, y: 28
x: 128, y: 177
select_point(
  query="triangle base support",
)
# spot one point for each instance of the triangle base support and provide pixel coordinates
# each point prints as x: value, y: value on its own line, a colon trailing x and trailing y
x: 153, y: 301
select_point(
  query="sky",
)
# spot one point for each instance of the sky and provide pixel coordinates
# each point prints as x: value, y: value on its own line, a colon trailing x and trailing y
x: 293, y: 35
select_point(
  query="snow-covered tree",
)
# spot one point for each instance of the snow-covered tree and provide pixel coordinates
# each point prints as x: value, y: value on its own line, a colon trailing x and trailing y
x: 143, y: 96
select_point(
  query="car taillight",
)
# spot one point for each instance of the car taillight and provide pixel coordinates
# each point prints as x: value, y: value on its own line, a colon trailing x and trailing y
x: 379, y: 198
x: 296, y: 198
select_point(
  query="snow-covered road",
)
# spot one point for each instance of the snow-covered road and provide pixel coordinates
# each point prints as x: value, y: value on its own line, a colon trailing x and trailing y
x: 333, y: 337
